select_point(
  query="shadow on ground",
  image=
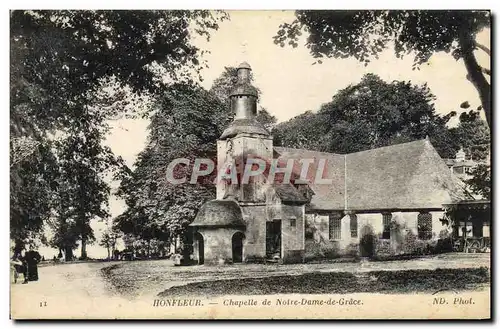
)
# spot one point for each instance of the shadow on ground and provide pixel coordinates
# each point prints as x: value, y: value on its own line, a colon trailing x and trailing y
x: 423, y: 281
x: 450, y: 271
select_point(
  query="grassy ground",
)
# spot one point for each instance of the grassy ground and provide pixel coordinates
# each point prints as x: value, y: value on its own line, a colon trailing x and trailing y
x: 410, y: 281
x: 151, y: 277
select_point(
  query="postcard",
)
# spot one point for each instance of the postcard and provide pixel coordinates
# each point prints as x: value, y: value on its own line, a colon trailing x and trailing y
x: 198, y: 164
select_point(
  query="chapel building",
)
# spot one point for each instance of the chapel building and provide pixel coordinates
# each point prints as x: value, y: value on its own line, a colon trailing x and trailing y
x: 378, y: 200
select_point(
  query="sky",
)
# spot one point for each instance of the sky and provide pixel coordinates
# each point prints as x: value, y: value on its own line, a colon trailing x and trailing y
x: 291, y: 85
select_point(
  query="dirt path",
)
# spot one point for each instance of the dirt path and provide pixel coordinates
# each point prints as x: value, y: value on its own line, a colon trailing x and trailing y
x: 61, y: 287
x: 83, y: 279
x: 79, y: 291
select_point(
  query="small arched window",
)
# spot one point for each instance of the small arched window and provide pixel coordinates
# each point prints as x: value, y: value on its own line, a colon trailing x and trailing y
x: 424, y: 226
x: 353, y: 224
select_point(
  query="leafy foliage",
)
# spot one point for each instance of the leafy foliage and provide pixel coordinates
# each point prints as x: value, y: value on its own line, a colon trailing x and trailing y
x: 108, y: 241
x: 267, y: 119
x: 31, y: 193
x: 84, y: 163
x: 473, y: 135
x: 365, y: 34
x: 370, y: 114
x: 480, y: 182
x: 63, y: 64
x: 186, y: 123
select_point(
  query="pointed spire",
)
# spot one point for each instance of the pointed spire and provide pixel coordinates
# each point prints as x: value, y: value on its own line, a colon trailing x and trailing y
x: 245, y: 65
x: 244, y: 106
x: 244, y: 95
x: 243, y: 85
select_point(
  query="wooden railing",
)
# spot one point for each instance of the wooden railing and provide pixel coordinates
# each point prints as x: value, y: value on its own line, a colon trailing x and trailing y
x: 472, y: 244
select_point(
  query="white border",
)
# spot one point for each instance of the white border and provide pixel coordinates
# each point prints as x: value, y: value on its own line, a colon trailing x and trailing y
x: 198, y: 4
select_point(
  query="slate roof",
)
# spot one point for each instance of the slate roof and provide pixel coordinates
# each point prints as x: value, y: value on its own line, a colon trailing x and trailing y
x: 325, y: 196
x: 219, y: 213
x: 404, y: 176
x: 249, y: 126
x: 288, y: 193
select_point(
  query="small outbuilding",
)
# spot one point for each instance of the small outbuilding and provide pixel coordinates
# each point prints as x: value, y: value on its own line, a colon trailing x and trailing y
x: 219, y: 232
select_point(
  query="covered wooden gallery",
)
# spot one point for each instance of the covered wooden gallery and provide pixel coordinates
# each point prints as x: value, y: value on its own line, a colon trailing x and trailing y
x: 471, y: 223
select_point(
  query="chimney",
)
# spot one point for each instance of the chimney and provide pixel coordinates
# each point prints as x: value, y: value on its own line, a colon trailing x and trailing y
x: 460, y: 157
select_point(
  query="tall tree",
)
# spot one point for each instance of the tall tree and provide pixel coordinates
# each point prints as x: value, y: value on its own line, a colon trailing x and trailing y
x: 480, y: 181
x: 372, y: 113
x: 186, y: 123
x: 65, y: 237
x: 59, y: 62
x: 84, y: 164
x: 108, y: 240
x: 473, y: 135
x: 59, y: 58
x: 364, y: 34
x: 32, y: 192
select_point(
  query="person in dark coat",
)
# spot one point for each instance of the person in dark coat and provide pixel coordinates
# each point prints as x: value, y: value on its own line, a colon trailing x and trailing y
x: 32, y: 258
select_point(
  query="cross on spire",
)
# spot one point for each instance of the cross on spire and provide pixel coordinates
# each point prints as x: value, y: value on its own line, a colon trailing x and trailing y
x: 244, y: 50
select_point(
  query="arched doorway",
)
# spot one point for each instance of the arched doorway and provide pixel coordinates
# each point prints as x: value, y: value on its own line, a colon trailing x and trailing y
x: 201, y: 248
x: 367, y: 242
x: 237, y: 247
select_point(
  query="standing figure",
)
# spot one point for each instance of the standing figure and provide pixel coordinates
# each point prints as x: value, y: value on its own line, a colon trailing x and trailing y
x: 32, y: 258
x: 19, y: 267
x: 24, y: 266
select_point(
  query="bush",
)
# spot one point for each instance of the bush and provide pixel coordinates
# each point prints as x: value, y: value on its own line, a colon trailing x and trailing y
x: 352, y: 250
x: 368, y: 245
x: 410, y: 243
x: 255, y: 260
x: 383, y: 247
x: 315, y: 251
x: 443, y: 245
x: 331, y: 253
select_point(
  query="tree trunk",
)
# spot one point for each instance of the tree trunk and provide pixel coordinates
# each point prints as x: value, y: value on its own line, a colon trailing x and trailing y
x: 68, y: 253
x: 108, y: 249
x: 83, y: 255
x: 161, y: 250
x: 475, y: 73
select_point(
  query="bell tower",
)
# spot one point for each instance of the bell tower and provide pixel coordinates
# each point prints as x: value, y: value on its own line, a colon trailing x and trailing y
x: 244, y: 138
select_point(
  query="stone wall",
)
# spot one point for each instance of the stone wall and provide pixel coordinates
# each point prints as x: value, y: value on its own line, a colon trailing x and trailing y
x: 292, y: 235
x: 255, y: 243
x: 317, y: 240
x: 218, y: 241
x: 217, y: 245
x: 369, y: 240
